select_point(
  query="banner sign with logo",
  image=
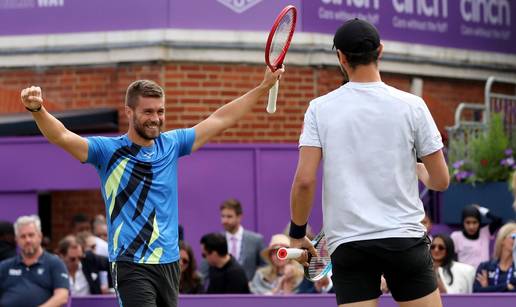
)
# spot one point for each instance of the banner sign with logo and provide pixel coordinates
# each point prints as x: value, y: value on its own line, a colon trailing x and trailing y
x: 486, y: 25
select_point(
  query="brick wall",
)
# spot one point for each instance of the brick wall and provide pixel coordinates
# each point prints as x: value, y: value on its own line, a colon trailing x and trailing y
x: 195, y: 90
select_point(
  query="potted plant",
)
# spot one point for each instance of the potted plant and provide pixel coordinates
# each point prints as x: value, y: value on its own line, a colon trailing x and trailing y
x: 480, y: 164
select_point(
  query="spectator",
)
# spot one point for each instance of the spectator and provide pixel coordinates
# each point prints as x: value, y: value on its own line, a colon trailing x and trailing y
x: 244, y: 245
x: 88, y: 273
x: 190, y: 281
x: 100, y: 227
x: 472, y: 242
x: 35, y: 277
x: 452, y: 277
x: 278, y: 276
x: 80, y: 223
x: 7, y: 243
x: 498, y: 275
x: 225, y: 274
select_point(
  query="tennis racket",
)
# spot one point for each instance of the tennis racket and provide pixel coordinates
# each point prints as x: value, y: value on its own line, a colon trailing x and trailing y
x: 318, y: 266
x: 277, y: 47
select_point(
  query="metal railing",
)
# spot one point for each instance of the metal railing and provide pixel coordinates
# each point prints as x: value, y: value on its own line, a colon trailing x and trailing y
x: 473, y: 118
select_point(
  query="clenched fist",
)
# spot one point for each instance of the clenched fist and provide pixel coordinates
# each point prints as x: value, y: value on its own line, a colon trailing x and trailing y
x: 32, y: 98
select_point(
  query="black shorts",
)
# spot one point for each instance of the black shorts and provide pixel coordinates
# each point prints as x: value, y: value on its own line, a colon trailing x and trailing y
x: 405, y: 263
x: 146, y: 285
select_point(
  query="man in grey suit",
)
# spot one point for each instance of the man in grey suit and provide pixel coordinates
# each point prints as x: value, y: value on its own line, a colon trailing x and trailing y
x: 244, y: 245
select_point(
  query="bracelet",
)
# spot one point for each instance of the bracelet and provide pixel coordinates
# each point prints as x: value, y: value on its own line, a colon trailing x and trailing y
x: 34, y: 110
x: 296, y: 231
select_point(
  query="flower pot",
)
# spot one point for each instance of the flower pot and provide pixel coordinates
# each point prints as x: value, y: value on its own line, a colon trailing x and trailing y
x: 493, y: 195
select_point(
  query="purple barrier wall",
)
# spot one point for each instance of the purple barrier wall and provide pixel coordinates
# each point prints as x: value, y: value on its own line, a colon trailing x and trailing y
x: 498, y: 300
x: 259, y: 176
x: 481, y: 25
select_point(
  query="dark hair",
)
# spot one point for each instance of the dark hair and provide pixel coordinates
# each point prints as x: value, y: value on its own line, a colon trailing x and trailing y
x: 232, y: 204
x: 142, y: 88
x: 190, y: 278
x: 65, y: 244
x: 215, y: 242
x: 6, y: 229
x: 450, y: 254
x: 79, y: 218
x: 364, y: 58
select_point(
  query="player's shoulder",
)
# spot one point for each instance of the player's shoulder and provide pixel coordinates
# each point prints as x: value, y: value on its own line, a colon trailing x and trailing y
x: 326, y: 98
x: 406, y: 97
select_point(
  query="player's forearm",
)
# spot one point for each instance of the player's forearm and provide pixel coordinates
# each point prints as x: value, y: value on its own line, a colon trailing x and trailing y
x: 229, y: 114
x: 49, y: 126
x: 301, y: 200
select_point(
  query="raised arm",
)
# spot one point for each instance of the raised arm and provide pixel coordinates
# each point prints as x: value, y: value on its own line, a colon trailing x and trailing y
x: 433, y: 172
x: 228, y: 115
x: 51, y: 127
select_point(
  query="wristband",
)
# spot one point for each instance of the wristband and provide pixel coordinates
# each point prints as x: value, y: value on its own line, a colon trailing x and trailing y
x: 35, y: 110
x: 296, y: 231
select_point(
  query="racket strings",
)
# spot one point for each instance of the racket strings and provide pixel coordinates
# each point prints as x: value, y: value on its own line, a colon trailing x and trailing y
x: 318, y: 265
x: 281, y: 36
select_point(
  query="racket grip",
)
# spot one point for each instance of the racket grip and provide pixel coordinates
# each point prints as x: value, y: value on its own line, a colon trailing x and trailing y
x: 289, y: 253
x: 273, y: 96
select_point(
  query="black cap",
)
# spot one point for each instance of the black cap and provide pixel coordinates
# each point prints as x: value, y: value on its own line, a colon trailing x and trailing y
x: 356, y: 36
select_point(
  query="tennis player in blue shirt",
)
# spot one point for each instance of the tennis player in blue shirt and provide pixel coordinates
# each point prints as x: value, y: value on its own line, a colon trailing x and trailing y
x: 138, y: 173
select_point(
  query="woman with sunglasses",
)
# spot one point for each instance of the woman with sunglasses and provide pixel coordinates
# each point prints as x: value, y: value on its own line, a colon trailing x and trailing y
x: 499, y: 274
x: 190, y: 282
x: 452, y: 277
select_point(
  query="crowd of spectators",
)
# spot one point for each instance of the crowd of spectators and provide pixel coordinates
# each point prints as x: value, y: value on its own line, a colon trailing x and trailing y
x: 236, y: 260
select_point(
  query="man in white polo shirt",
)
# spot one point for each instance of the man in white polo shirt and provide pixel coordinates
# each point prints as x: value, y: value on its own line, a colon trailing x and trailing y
x: 368, y: 135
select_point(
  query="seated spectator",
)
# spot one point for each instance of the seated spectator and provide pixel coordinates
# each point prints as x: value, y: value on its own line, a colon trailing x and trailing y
x: 190, y: 281
x: 225, y: 274
x: 100, y: 227
x: 472, y: 242
x: 452, y: 277
x: 278, y: 276
x: 80, y: 223
x: 7, y: 243
x: 88, y: 273
x: 35, y: 277
x: 498, y: 275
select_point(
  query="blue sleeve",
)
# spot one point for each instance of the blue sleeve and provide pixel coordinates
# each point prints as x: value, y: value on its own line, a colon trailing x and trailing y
x: 184, y: 138
x: 96, y: 150
x: 59, y: 274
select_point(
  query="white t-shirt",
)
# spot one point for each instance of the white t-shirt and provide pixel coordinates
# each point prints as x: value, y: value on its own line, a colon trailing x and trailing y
x: 101, y: 247
x: 472, y: 252
x: 370, y: 134
x: 463, y: 278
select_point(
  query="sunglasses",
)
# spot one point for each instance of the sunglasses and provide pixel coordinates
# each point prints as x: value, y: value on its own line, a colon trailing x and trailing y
x: 73, y: 259
x: 438, y: 247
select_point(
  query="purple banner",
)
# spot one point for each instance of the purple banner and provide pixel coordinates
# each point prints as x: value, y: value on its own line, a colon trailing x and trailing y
x: 467, y: 24
x: 486, y: 25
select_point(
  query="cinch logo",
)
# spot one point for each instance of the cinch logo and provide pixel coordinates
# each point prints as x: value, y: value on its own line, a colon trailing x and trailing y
x: 50, y: 3
x: 239, y: 6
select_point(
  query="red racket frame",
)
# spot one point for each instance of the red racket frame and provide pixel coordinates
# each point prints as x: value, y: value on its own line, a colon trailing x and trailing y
x: 281, y: 57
